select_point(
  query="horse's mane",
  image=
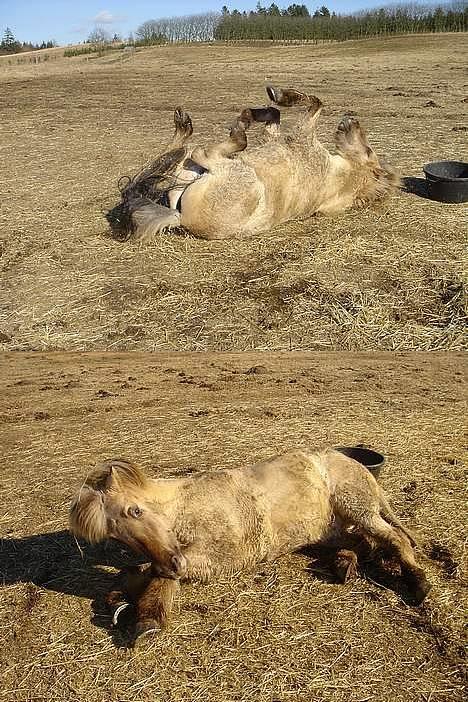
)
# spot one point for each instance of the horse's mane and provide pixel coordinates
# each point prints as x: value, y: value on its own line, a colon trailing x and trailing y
x: 116, y: 474
x: 152, y: 183
x: 87, y: 514
x: 87, y: 517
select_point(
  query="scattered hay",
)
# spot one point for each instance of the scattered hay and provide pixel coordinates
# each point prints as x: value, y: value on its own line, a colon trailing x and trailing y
x: 284, y: 632
x: 390, y: 278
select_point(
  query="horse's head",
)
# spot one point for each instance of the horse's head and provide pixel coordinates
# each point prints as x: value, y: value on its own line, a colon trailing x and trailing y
x: 114, y: 503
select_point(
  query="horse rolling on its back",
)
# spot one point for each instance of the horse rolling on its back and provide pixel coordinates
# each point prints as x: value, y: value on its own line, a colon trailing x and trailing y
x: 226, y: 189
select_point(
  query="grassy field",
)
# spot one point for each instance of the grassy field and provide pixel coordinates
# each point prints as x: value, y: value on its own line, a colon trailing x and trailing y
x: 390, y: 278
x: 285, y: 632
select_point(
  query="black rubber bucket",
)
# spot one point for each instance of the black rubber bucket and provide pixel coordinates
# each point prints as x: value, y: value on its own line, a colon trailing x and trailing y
x: 372, y: 460
x: 447, y: 181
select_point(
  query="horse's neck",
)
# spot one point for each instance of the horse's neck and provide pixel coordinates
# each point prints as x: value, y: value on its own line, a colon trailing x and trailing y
x: 165, y: 492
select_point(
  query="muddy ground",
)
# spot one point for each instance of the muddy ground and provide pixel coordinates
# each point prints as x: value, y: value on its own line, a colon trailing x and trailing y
x: 285, y: 632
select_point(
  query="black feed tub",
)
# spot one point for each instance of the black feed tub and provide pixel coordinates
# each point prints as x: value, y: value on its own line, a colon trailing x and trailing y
x: 447, y: 181
x: 372, y: 460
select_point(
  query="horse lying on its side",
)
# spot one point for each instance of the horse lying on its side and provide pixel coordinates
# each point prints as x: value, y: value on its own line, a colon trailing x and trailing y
x: 212, y: 523
x: 217, y: 192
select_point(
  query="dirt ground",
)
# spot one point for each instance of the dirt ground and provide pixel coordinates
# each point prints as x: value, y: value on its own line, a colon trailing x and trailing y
x: 284, y: 633
x: 390, y: 278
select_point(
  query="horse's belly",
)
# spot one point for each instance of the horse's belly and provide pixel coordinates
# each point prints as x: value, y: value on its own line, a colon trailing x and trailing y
x: 224, y: 202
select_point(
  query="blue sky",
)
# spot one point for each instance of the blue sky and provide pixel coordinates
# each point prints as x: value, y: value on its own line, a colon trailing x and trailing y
x: 69, y: 21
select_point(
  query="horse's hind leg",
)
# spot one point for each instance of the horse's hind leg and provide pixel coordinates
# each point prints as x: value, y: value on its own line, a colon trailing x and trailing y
x: 397, y: 543
x: 358, y: 500
x: 361, y: 510
x: 351, y: 142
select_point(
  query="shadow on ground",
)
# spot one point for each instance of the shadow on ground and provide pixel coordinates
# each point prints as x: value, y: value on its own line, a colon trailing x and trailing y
x: 416, y: 186
x: 55, y: 562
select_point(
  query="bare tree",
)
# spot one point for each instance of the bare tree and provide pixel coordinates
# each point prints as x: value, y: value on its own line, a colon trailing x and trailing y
x: 188, y: 28
x: 99, y: 36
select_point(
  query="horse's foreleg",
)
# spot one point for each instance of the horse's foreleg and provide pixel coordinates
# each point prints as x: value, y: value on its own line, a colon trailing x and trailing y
x: 150, y: 596
x: 154, y: 605
x: 287, y: 97
x: 207, y: 157
x: 290, y: 97
x: 183, y: 128
x: 128, y: 587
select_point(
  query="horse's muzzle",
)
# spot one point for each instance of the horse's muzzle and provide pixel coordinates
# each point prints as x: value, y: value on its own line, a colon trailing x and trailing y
x: 179, y: 565
x: 177, y: 568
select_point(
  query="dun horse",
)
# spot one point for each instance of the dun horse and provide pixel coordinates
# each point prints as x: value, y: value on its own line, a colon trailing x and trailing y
x: 211, y: 523
x: 222, y: 191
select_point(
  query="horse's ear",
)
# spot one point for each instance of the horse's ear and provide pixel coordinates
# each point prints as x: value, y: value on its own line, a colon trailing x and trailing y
x: 110, y: 479
x: 118, y: 474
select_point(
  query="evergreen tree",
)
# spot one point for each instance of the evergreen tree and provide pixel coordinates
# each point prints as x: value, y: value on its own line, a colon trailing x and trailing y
x: 9, y: 44
x: 297, y: 11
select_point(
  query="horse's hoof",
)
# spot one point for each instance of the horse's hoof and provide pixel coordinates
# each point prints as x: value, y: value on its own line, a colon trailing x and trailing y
x: 145, y: 629
x: 348, y: 123
x: 117, y: 610
x: 345, y: 565
x: 420, y: 592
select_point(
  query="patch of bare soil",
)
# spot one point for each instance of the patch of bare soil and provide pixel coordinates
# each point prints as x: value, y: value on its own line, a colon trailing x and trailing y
x: 283, y: 632
x: 391, y: 278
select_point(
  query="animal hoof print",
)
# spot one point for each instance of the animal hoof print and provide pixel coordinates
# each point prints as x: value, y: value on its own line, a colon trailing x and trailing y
x: 147, y: 629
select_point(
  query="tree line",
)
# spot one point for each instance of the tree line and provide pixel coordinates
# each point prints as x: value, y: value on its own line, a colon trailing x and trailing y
x: 10, y: 45
x: 189, y: 28
x: 295, y: 22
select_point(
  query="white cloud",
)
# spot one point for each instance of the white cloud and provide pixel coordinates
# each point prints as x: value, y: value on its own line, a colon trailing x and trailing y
x: 106, y: 17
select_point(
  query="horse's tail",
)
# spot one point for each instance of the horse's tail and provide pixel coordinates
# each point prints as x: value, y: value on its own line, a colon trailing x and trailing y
x: 146, y: 194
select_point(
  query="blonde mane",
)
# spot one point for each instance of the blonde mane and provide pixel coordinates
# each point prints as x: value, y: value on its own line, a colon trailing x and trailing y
x: 87, y: 515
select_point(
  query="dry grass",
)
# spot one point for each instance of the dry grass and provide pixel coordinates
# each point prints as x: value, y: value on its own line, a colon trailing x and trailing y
x: 284, y: 633
x: 385, y: 279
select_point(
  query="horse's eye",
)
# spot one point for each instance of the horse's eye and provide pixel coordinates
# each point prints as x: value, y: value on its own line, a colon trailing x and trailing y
x: 134, y: 511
